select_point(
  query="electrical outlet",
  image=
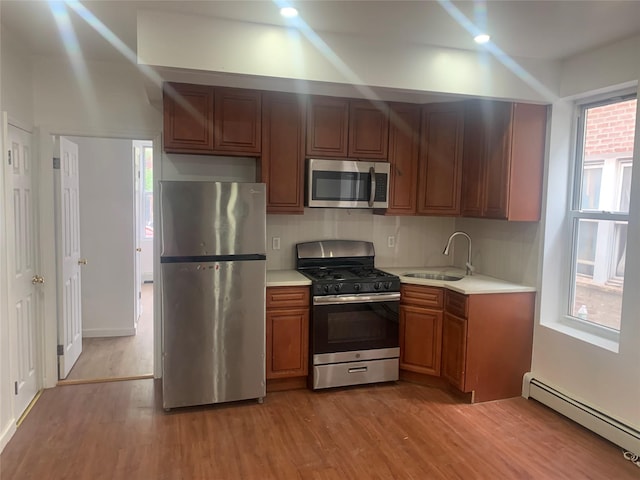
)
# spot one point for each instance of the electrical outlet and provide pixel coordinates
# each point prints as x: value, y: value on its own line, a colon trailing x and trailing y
x: 275, y: 243
x: 391, y: 241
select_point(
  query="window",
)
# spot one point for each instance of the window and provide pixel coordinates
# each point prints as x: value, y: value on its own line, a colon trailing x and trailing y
x: 600, y: 210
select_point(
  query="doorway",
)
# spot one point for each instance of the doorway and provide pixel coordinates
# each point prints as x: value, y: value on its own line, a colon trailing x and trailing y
x: 116, y: 238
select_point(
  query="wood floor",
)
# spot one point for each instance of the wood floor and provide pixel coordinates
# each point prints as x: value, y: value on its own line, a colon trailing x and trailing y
x: 119, y: 357
x: 393, y: 431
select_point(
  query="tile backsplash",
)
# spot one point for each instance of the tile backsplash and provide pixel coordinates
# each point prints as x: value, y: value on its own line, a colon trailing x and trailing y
x: 417, y: 241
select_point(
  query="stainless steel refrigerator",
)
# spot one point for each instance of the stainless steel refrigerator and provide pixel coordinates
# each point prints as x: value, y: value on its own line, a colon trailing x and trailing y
x: 213, y: 268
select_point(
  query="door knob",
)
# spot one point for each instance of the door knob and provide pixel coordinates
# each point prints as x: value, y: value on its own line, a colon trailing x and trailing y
x: 138, y: 249
x: 82, y: 261
x: 37, y: 279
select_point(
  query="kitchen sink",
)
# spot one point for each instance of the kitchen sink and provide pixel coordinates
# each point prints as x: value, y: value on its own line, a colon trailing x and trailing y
x: 433, y: 276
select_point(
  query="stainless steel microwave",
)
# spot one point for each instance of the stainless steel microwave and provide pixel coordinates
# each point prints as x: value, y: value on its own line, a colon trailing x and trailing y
x: 347, y: 184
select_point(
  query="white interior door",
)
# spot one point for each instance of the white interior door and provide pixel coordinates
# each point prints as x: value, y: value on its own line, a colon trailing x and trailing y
x: 23, y: 279
x: 137, y: 229
x: 66, y: 177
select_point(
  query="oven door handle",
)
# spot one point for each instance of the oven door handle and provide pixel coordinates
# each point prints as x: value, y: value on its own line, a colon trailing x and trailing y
x: 344, y: 299
x: 372, y: 194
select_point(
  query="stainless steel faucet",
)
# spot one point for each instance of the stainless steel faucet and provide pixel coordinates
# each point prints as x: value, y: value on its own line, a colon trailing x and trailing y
x: 469, y: 266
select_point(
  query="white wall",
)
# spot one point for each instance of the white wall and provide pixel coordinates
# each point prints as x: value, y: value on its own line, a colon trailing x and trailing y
x: 109, y: 101
x: 601, y: 68
x: 190, y: 42
x: 107, y: 236
x: 607, y: 380
x: 17, y: 86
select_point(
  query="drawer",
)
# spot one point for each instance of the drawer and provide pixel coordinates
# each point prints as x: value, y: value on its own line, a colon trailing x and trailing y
x: 285, y: 297
x: 355, y: 373
x: 455, y: 304
x: 422, y: 296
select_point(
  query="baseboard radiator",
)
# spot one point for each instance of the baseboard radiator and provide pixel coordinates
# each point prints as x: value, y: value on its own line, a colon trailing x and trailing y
x: 616, y: 432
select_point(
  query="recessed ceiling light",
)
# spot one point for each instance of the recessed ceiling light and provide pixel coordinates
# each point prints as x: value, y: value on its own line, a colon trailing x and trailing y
x: 482, y: 38
x: 288, y: 12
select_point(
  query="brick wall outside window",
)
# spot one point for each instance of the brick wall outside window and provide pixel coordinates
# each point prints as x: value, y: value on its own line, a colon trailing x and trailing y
x: 615, y: 127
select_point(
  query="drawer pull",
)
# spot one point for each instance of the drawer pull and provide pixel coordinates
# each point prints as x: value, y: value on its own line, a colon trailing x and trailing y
x: 357, y: 369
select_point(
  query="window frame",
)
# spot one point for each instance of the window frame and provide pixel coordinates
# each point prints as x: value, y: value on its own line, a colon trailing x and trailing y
x: 575, y: 214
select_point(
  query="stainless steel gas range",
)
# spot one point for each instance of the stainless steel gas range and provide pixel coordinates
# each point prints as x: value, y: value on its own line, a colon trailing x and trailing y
x: 354, y: 322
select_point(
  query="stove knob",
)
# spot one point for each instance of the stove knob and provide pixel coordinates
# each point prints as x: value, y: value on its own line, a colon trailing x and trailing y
x: 337, y: 287
x: 356, y: 287
x: 326, y: 289
x: 387, y: 285
x: 377, y: 285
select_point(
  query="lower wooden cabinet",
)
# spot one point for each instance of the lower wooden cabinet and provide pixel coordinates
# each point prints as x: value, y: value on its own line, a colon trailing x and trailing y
x: 487, y: 342
x: 454, y: 350
x: 421, y: 329
x: 287, y: 332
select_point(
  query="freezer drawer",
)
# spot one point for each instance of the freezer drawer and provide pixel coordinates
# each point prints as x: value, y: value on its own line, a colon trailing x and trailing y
x: 213, y: 330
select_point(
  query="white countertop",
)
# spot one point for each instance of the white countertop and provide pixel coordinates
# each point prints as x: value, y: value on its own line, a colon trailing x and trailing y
x: 468, y: 285
x: 286, y: 278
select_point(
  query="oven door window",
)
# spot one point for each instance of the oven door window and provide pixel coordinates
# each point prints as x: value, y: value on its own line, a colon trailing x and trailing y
x: 356, y: 326
x: 346, y: 186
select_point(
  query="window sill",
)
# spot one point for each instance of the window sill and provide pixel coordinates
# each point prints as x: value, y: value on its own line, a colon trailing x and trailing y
x: 604, y: 338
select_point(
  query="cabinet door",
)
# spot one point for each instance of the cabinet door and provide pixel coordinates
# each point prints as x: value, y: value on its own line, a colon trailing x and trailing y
x: 327, y: 127
x: 287, y: 343
x: 404, y: 150
x: 440, y: 173
x: 497, y: 160
x: 187, y: 118
x: 237, y: 121
x: 528, y: 135
x: 473, y: 161
x: 420, y: 339
x: 282, y: 162
x: 454, y: 350
x: 368, y: 130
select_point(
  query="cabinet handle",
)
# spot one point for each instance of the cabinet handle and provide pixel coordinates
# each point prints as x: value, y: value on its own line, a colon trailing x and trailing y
x: 372, y: 195
x: 357, y: 369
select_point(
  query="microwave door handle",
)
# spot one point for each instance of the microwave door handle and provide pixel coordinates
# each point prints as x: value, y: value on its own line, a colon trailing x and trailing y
x: 372, y: 195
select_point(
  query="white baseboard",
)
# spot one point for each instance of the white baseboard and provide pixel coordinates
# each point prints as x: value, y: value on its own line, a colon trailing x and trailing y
x: 598, y: 422
x: 7, y: 433
x: 108, y: 332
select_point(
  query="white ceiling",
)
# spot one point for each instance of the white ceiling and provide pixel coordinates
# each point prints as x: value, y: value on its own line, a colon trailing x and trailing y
x: 521, y: 28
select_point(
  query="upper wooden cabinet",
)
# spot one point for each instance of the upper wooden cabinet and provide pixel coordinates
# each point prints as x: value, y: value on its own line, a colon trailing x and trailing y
x: 188, y: 118
x: 341, y: 128
x: 440, y: 173
x: 210, y: 120
x: 404, y: 150
x: 282, y: 163
x: 237, y: 121
x: 504, y: 146
x: 368, y: 129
